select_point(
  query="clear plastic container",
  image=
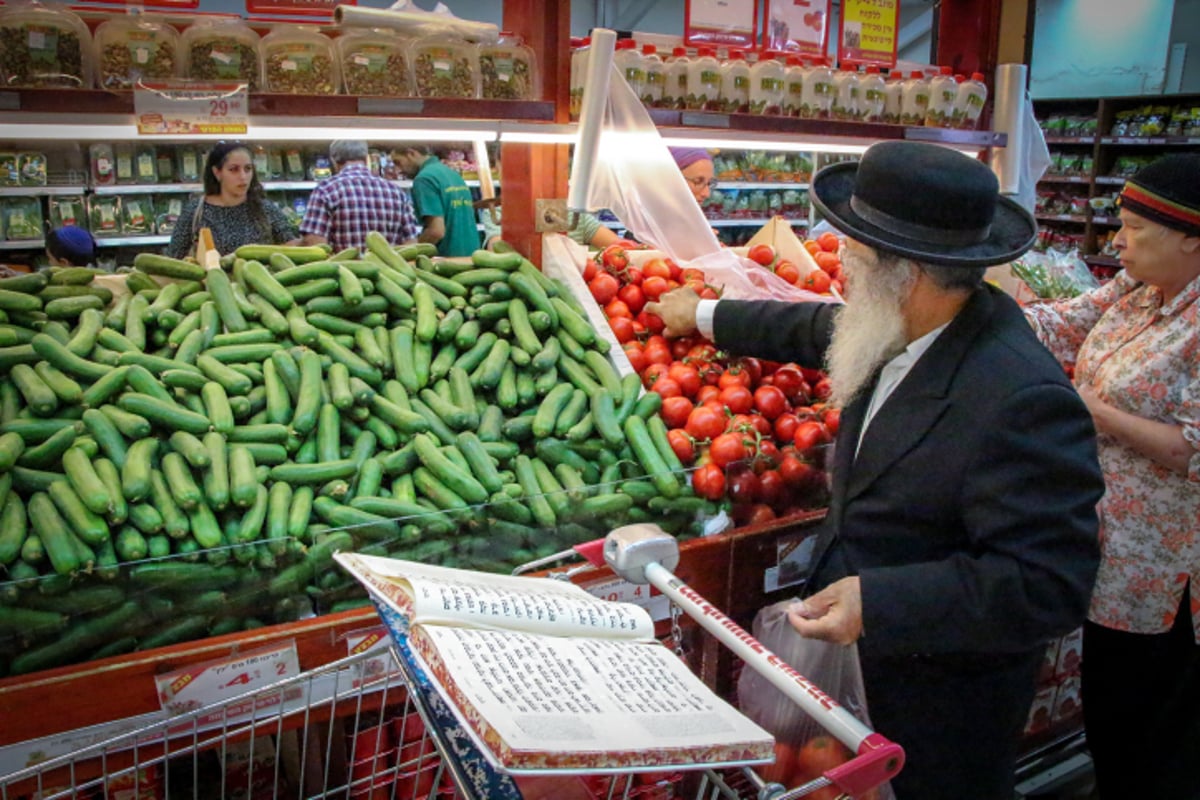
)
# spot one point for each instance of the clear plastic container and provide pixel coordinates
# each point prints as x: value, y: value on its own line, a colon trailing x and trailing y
x: 893, y: 97
x: 43, y: 46
x: 943, y: 90
x: 104, y: 214
x: 845, y: 94
x: 124, y: 157
x: 31, y: 165
x: 10, y: 173
x: 872, y: 95
x: 293, y: 164
x: 817, y: 100
x: 67, y: 210
x: 768, y: 84
x: 444, y: 67
x: 914, y: 102
x: 261, y: 158
x: 735, y: 83
x: 145, y: 163
x: 508, y: 70
x: 704, y: 81
x: 579, y: 57
x: 968, y: 104
x: 794, y: 78
x: 188, y: 163
x: 629, y: 63
x: 675, y: 87
x: 135, y: 48
x: 22, y: 218
x: 167, y: 208
x: 374, y: 61
x: 137, y: 215
x: 656, y: 75
x: 222, y: 50
x: 298, y: 59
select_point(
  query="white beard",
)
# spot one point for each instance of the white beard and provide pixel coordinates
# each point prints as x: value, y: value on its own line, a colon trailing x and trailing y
x: 869, y: 331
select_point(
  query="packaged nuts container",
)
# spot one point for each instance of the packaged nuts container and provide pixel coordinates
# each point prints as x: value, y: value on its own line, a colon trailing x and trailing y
x: 43, y: 46
x: 298, y: 59
x: 131, y: 49
x: 508, y: 71
x: 221, y: 50
x: 444, y: 67
x: 374, y: 61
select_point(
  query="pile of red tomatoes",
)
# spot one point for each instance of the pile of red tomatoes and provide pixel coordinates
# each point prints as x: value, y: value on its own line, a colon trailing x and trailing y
x: 826, y: 279
x: 754, y: 432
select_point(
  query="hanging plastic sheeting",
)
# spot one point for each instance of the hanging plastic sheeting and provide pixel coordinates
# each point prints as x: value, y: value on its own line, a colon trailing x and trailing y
x: 407, y: 17
x: 635, y: 177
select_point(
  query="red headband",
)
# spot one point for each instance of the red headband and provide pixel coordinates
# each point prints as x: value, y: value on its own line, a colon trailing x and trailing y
x: 1156, y: 207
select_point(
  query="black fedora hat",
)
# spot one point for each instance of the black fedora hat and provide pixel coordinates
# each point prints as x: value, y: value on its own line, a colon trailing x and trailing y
x: 925, y: 202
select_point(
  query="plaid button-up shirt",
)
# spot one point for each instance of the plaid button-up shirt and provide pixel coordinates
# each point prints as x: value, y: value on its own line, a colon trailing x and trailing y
x: 351, y: 204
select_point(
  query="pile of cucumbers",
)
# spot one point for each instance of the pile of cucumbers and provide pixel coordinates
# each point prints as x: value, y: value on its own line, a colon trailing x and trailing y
x: 184, y: 461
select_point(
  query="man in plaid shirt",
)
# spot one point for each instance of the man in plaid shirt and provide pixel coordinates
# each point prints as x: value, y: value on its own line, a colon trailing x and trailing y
x: 345, y: 208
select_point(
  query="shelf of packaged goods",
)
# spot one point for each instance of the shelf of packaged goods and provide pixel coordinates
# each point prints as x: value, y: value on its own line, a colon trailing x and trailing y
x: 733, y: 186
x: 1110, y: 180
x: 131, y: 241
x: 1109, y: 221
x: 23, y: 244
x: 1080, y: 179
x: 40, y: 191
x: 1152, y: 141
x: 150, y: 188
x: 1062, y: 218
x: 1070, y: 140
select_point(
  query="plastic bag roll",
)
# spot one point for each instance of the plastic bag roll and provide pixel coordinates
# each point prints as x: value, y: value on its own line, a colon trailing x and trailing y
x: 1008, y: 107
x: 591, y: 116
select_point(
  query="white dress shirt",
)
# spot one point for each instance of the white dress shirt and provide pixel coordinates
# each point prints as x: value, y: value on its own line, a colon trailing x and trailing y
x: 893, y: 372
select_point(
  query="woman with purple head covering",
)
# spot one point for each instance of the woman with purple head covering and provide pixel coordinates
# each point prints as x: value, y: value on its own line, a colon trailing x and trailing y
x: 697, y: 167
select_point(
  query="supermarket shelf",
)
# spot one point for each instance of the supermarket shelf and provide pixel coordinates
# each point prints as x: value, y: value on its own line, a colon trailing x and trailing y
x: 283, y: 186
x: 1070, y: 140
x: 1112, y: 221
x: 758, y: 222
x: 151, y: 188
x: 1152, y: 141
x: 1082, y: 179
x: 131, y: 241
x: 40, y: 191
x: 1110, y: 180
x: 1061, y: 218
x: 726, y: 186
x: 23, y: 244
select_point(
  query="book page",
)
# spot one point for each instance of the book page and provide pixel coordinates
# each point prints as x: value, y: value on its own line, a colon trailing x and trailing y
x: 538, y: 702
x: 430, y: 595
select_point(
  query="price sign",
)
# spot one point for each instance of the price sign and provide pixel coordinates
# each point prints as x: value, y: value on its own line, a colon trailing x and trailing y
x: 216, y: 681
x: 797, y: 26
x: 164, y: 109
x: 712, y: 23
x: 374, y: 642
x: 617, y: 590
x: 867, y: 33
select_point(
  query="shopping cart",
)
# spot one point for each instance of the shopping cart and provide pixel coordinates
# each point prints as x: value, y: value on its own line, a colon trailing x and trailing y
x: 373, y: 726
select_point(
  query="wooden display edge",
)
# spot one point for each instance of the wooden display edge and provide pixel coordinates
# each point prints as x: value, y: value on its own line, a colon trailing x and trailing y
x: 59, y: 700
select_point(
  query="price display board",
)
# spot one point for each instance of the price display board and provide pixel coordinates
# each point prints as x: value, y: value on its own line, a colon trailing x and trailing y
x: 867, y: 33
x: 212, y: 682
x: 214, y: 108
x: 797, y: 26
x: 720, y: 23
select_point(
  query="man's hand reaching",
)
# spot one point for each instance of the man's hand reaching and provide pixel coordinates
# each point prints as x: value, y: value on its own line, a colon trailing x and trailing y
x: 677, y: 309
x: 833, y: 614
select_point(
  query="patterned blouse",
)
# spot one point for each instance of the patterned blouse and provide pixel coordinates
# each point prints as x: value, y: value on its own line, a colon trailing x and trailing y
x: 231, y: 226
x: 1144, y: 358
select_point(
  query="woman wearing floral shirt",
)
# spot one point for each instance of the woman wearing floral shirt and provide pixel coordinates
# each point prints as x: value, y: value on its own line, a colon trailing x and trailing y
x: 1135, y: 346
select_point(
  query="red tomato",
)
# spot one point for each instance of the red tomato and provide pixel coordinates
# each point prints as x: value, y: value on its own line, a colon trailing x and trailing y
x: 655, y: 268
x: 652, y: 322
x: 742, y: 485
x: 771, y: 487
x: 727, y: 449
x: 622, y: 328
x: 658, y: 354
x: 689, y: 274
x: 822, y: 389
x: 614, y: 257
x: 734, y: 376
x: 795, y: 472
x: 788, y: 271
x: 617, y: 308
x: 675, y: 410
x: 792, y: 382
x: 653, y: 373
x: 754, y: 423
x: 680, y: 347
x: 808, y: 435
x: 604, y: 287
x: 767, y: 456
x: 666, y: 387
x: 589, y: 271
x: 737, y: 399
x: 832, y: 418
x: 696, y: 285
x: 631, y: 294
x: 705, y: 422
x: 762, y: 254
x: 756, y: 514
x: 633, y: 275
x: 816, y: 281
x: 637, y: 358
x: 785, y: 426
x: 819, y: 755
x: 709, y: 482
x: 707, y: 392
x: 681, y: 443
x: 687, y: 376
x: 770, y: 401
x: 709, y: 293
x: 654, y: 286
x: 829, y: 242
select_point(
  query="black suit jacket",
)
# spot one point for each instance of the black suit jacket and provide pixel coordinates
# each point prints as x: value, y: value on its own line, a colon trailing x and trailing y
x: 968, y: 515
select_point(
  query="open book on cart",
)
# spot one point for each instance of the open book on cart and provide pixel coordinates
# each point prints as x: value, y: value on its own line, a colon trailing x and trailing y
x: 546, y: 676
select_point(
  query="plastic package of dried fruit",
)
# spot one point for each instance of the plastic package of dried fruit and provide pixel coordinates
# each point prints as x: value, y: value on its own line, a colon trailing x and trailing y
x: 374, y: 61
x: 508, y: 70
x: 133, y: 49
x: 221, y: 50
x: 43, y: 45
x: 444, y: 66
x: 298, y: 59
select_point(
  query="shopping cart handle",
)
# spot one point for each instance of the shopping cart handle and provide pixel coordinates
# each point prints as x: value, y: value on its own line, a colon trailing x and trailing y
x: 591, y: 552
x: 879, y: 759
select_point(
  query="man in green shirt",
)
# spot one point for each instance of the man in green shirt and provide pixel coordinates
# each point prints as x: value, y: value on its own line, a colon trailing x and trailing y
x: 442, y: 201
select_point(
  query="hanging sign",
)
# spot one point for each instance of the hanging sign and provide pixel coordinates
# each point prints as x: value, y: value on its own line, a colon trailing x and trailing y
x: 215, y: 108
x: 216, y: 681
x: 797, y: 26
x: 867, y: 33
x: 314, y: 8
x: 713, y: 23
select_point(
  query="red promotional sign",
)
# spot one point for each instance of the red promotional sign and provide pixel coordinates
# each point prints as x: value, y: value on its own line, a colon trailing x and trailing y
x: 797, y: 26
x: 310, y: 8
x: 716, y: 23
x: 867, y: 32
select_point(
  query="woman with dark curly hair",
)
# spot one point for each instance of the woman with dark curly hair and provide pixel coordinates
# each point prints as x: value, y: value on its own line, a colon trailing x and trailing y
x: 233, y: 207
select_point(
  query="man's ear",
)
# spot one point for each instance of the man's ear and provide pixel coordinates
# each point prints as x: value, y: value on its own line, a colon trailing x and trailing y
x: 1190, y: 245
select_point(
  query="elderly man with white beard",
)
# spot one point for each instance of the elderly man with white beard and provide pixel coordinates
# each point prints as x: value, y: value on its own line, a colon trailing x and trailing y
x: 961, y: 535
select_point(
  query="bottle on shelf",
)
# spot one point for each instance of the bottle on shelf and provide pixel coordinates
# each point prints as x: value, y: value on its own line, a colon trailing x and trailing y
x: 579, y: 60
x: 767, y: 83
x: 872, y: 95
x: 915, y: 101
x: 704, y: 81
x: 654, y: 71
x: 735, y: 83
x: 794, y: 78
x: 845, y: 94
x: 942, y: 93
x: 894, y: 97
x: 968, y: 103
x: 629, y: 64
x: 675, y: 84
x: 817, y: 102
